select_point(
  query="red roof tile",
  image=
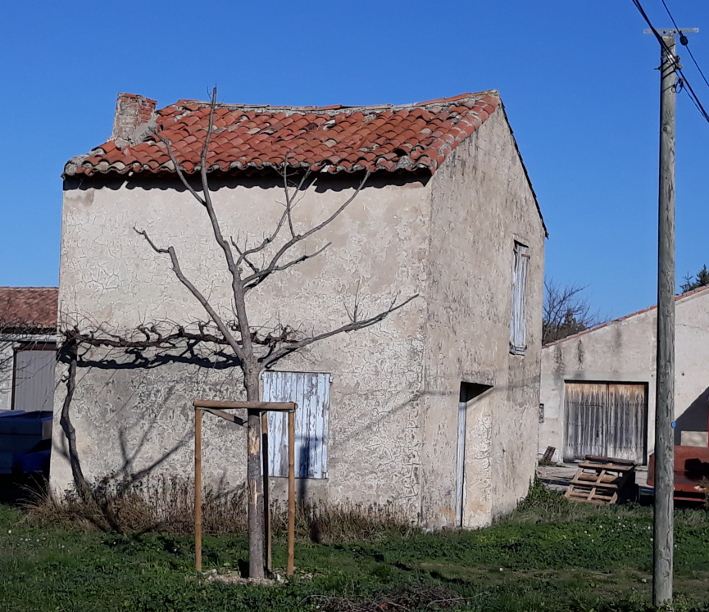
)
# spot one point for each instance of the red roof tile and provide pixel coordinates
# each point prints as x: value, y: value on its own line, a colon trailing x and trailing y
x: 332, y: 138
x: 28, y: 308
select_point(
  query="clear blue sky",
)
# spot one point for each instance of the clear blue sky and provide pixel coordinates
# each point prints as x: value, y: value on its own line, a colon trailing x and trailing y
x: 577, y: 78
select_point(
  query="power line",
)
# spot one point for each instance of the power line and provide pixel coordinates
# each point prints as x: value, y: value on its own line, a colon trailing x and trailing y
x: 674, y: 23
x: 684, y: 41
x: 684, y: 81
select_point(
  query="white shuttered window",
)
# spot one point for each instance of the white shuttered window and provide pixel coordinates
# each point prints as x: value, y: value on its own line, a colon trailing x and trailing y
x: 311, y: 391
x: 518, y: 332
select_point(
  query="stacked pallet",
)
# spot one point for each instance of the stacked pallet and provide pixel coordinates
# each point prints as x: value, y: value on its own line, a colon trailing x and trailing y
x: 602, y: 480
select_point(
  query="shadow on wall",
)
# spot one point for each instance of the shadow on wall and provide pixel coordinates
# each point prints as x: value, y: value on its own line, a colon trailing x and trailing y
x: 694, y: 418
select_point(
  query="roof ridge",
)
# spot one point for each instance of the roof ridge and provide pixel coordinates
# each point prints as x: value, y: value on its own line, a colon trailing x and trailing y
x: 336, y: 107
x: 678, y: 297
x: 30, y: 288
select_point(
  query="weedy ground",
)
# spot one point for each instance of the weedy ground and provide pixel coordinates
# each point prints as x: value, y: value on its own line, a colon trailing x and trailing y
x: 550, y: 555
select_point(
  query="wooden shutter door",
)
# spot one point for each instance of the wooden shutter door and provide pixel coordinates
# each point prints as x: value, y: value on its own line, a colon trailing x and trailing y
x: 607, y: 419
x: 311, y: 391
x: 585, y: 407
x: 627, y: 422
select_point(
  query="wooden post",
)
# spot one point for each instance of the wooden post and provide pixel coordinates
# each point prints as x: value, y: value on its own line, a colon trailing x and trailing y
x: 198, y: 489
x: 665, y: 392
x: 291, y: 493
x: 266, y: 496
x: 255, y: 494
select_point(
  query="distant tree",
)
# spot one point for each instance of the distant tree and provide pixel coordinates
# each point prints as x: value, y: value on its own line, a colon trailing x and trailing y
x: 701, y: 279
x: 566, y: 311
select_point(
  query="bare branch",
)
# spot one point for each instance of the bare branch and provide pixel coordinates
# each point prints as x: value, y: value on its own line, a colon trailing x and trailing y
x: 155, y: 248
x: 285, y: 216
x: 260, y: 275
x: 245, y: 337
x: 243, y: 257
x: 236, y: 283
x: 277, y: 354
x: 273, y: 265
x: 206, y: 200
x: 179, y: 171
x: 290, y: 203
x: 286, y: 191
x: 566, y: 312
x: 353, y: 315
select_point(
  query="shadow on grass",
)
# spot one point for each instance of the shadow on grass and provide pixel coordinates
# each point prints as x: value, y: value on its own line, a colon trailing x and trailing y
x: 18, y: 489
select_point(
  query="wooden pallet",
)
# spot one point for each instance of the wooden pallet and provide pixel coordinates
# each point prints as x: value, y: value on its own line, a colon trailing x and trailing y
x: 601, y: 480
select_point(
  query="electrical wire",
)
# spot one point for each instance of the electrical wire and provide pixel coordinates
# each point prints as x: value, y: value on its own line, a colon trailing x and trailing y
x: 685, y: 42
x: 684, y: 81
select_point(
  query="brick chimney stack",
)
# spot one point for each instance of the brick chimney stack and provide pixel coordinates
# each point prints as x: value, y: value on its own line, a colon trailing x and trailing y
x: 132, y: 112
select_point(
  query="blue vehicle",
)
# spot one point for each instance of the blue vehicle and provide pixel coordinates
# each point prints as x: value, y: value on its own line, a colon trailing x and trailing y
x: 25, y: 441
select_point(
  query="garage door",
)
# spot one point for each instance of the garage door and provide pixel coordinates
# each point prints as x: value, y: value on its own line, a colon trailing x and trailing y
x: 608, y: 419
x: 34, y: 379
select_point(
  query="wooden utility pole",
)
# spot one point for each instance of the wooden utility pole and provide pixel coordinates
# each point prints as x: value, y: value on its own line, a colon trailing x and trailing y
x: 663, y: 534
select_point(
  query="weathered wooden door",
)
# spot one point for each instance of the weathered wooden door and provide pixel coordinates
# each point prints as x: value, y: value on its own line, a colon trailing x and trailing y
x: 311, y: 391
x: 607, y: 419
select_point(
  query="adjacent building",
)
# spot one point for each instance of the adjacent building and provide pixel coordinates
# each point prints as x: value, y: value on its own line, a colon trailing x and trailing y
x: 598, y: 386
x: 28, y: 324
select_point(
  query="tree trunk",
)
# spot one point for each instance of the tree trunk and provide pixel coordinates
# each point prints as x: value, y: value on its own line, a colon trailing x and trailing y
x: 82, y: 487
x: 253, y: 477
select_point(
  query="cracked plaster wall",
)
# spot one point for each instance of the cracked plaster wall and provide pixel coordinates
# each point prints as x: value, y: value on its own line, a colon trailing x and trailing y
x: 482, y: 203
x: 624, y: 351
x: 137, y: 417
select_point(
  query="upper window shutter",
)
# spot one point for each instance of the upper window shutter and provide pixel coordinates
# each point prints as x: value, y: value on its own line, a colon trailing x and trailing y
x: 311, y: 391
x: 518, y: 330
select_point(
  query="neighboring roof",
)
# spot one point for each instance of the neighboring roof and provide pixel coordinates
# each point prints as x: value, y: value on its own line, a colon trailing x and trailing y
x: 331, y: 139
x: 28, y: 309
x: 678, y: 298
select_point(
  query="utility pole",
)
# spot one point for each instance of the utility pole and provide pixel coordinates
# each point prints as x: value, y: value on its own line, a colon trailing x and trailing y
x: 663, y: 540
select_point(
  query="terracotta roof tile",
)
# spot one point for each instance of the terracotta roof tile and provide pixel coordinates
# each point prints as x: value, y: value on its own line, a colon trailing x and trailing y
x: 32, y: 309
x: 332, y: 138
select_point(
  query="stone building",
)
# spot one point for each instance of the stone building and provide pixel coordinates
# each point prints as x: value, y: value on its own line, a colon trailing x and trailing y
x: 598, y: 386
x: 433, y: 410
x: 28, y: 324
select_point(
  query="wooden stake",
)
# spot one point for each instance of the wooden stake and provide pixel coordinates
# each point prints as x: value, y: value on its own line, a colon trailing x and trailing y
x: 198, y: 489
x: 291, y: 493
x: 254, y: 480
x: 266, y: 496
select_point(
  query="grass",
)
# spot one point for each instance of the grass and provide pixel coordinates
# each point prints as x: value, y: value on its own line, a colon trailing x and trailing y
x: 549, y: 555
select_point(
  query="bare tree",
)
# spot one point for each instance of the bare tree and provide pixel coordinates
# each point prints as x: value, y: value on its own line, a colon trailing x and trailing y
x: 566, y: 311
x: 249, y: 267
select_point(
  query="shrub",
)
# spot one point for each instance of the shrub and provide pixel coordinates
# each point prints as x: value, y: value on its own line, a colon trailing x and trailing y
x: 166, y: 505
